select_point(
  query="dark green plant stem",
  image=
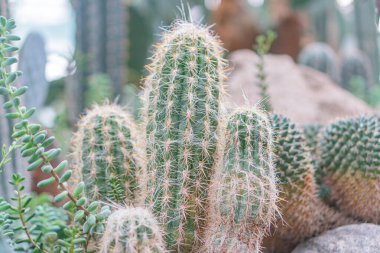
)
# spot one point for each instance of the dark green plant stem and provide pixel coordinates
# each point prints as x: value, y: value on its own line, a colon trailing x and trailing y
x: 263, y: 44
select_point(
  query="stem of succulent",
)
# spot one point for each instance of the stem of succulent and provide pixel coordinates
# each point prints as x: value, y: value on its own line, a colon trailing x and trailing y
x: 21, y: 216
x: 263, y: 46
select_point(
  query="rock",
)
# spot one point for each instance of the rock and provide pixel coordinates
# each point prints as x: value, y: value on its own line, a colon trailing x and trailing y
x: 300, y: 93
x: 363, y: 238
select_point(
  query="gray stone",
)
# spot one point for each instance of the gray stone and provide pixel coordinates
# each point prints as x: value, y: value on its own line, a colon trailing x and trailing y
x: 363, y: 238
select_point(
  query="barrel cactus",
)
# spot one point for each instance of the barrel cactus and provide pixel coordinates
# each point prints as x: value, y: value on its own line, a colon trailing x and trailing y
x: 132, y: 230
x: 182, y: 108
x: 244, y: 201
x: 304, y: 214
x: 321, y: 57
x: 107, y: 155
x: 351, y: 160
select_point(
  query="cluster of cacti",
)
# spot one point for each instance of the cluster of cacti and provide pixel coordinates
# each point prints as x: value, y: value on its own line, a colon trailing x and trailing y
x: 304, y: 214
x: 350, y: 158
x: 182, y: 114
x: 108, y: 155
x: 191, y: 178
x: 244, y: 198
x: 321, y: 57
x: 133, y: 230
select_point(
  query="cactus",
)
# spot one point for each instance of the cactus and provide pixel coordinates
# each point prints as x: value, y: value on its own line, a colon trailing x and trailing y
x: 33, y: 59
x: 182, y: 111
x: 351, y: 159
x: 132, y: 230
x: 354, y: 64
x: 321, y: 57
x: 304, y: 214
x: 244, y: 203
x: 107, y: 156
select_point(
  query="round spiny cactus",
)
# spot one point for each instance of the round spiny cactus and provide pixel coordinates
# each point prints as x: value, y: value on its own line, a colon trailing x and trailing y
x: 350, y: 153
x: 244, y: 201
x: 321, y: 57
x: 304, y: 214
x: 107, y: 156
x: 182, y: 114
x: 132, y: 230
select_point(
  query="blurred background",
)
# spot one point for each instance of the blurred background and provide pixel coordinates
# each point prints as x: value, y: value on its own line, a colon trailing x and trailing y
x: 80, y: 52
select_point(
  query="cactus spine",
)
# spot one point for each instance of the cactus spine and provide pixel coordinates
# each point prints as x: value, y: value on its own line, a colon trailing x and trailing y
x: 304, y: 214
x: 132, y: 230
x: 107, y: 155
x: 351, y: 160
x: 244, y: 202
x: 182, y: 112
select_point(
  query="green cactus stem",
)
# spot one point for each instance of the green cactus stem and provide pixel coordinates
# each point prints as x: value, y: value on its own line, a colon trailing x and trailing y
x: 107, y: 155
x: 182, y: 111
x: 244, y: 203
x: 132, y: 230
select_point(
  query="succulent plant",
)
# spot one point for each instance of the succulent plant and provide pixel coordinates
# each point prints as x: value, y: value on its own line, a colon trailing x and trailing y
x: 182, y: 114
x: 350, y: 154
x: 132, y: 230
x: 107, y: 155
x: 304, y: 214
x: 244, y: 202
x: 321, y: 57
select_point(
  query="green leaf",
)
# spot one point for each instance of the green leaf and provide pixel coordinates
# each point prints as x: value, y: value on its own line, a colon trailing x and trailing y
x: 93, y: 206
x: 79, y: 216
x: 20, y: 91
x: 52, y: 154
x: 48, y: 142
x: 12, y: 115
x: 82, y: 201
x: 28, y: 152
x: 35, y: 165
x: 34, y: 128
x: 8, y: 105
x: 60, y: 197
x: 13, y: 38
x: 79, y: 190
x: 66, y: 176
x: 46, y: 182
x: 9, y: 61
x: 59, y: 169
x: 10, y: 79
x: 47, y: 168
x: 18, y: 134
x: 68, y: 205
x: 3, y: 91
x: 29, y: 113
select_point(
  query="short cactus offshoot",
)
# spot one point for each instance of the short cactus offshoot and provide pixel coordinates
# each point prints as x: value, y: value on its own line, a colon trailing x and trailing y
x: 182, y: 113
x: 132, y: 230
x: 244, y: 202
x: 107, y: 155
x: 350, y: 153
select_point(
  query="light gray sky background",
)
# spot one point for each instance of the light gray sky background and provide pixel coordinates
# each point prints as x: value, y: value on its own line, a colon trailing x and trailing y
x: 54, y: 19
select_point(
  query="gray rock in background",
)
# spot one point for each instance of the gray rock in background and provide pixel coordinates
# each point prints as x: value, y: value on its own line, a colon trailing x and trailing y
x: 363, y: 238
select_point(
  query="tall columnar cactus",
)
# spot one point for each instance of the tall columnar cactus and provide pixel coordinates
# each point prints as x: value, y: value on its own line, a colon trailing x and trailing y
x: 321, y: 57
x: 182, y: 111
x: 133, y: 230
x: 350, y: 153
x: 244, y: 201
x: 107, y: 155
x: 304, y: 214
